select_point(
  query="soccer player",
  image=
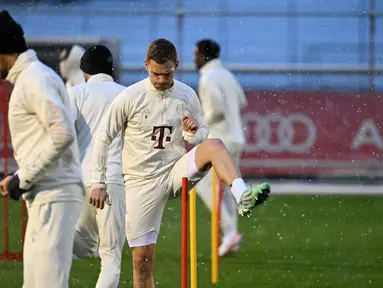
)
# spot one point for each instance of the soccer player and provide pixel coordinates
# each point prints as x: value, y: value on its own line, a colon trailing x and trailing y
x: 222, y: 99
x: 156, y: 115
x: 99, y: 231
x: 70, y: 66
x: 44, y: 143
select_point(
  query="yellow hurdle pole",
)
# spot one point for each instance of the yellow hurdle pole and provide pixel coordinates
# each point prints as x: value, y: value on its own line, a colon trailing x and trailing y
x: 193, y: 239
x: 214, y: 230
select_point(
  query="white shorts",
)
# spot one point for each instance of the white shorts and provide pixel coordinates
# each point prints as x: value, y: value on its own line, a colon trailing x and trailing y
x: 145, y: 203
x: 146, y: 239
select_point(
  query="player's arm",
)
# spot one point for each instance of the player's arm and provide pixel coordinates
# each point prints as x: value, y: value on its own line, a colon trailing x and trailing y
x: 45, y: 102
x: 113, y: 122
x: 211, y: 101
x: 197, y: 130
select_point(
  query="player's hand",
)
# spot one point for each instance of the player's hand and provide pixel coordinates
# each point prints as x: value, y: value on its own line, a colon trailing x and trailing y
x: 98, y: 197
x: 188, y: 125
x: 4, y: 186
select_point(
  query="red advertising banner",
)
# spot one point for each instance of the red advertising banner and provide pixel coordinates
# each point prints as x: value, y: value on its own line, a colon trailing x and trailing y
x: 7, y: 162
x: 293, y: 134
x: 314, y: 133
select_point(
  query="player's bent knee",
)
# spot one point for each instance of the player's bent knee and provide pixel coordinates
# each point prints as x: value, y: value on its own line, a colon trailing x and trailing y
x: 214, y: 145
x: 206, y: 151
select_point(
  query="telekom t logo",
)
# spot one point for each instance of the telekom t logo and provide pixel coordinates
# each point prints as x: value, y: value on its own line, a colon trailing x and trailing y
x: 161, y: 137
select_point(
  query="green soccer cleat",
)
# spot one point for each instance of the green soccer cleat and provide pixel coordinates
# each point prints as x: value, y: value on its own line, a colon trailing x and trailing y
x: 253, y: 197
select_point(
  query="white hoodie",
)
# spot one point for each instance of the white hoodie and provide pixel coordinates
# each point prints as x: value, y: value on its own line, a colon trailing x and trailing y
x: 70, y: 67
x: 42, y: 132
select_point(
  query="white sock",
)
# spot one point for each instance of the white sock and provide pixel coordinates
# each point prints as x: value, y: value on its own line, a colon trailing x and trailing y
x: 238, y: 186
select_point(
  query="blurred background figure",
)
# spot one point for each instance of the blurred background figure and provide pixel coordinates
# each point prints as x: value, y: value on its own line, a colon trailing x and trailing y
x: 222, y: 100
x: 99, y: 232
x: 70, y: 66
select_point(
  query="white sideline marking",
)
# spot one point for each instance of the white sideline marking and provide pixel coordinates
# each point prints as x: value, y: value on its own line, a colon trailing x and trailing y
x: 300, y: 188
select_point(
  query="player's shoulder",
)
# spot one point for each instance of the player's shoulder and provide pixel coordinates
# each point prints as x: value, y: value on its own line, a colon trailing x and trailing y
x: 133, y: 91
x: 119, y: 86
x: 78, y: 90
x: 101, y: 85
x: 37, y: 70
x: 184, y: 89
x: 38, y: 75
x: 214, y: 74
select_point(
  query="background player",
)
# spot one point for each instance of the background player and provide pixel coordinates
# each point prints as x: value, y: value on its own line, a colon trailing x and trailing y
x: 99, y: 231
x: 222, y: 99
x: 70, y: 66
x: 156, y: 115
x: 44, y: 143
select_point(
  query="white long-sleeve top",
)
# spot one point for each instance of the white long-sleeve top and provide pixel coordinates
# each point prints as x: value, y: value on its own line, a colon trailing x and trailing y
x: 42, y: 132
x: 222, y: 100
x: 91, y: 102
x: 152, y: 133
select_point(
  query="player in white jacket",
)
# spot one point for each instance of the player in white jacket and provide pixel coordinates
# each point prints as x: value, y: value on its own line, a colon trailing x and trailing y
x: 156, y: 115
x: 49, y: 174
x: 70, y: 66
x: 99, y: 231
x: 222, y: 100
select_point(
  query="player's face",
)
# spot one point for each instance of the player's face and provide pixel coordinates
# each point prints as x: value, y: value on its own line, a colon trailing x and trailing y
x: 4, y: 66
x: 161, y: 75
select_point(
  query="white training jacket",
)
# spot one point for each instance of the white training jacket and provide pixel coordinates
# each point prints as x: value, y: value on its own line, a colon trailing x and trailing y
x: 42, y: 132
x: 91, y: 102
x: 222, y: 100
x: 153, y: 139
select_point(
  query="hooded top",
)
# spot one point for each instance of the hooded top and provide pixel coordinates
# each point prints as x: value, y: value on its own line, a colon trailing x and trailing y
x: 70, y: 66
x: 42, y: 132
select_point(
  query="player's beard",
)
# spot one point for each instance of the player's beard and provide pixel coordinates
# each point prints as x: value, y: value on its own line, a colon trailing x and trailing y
x: 164, y: 86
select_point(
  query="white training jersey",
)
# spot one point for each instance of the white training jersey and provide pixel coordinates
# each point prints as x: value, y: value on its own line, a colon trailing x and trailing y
x: 152, y: 133
x: 91, y: 102
x: 42, y: 132
x: 222, y: 100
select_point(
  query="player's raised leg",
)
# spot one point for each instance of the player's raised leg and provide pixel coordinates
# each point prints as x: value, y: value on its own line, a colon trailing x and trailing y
x: 213, y: 153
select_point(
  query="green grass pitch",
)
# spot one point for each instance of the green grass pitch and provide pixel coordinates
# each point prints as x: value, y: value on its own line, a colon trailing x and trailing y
x: 294, y: 241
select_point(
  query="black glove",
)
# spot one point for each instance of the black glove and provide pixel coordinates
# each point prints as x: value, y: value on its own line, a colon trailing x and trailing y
x: 14, y: 188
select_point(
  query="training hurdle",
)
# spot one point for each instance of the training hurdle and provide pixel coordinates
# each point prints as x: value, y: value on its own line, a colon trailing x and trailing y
x: 189, y: 208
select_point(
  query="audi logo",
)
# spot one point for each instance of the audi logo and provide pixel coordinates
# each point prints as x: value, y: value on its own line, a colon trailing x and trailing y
x: 275, y: 133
